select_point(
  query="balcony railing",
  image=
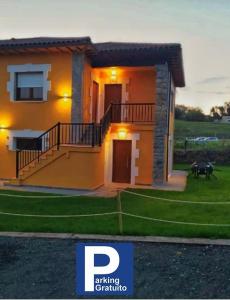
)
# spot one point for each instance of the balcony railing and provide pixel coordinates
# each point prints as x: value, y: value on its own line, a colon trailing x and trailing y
x: 132, y: 112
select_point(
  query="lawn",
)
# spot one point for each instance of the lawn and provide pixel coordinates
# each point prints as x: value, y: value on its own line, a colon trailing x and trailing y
x: 185, y: 129
x: 223, y: 144
x: 198, y: 190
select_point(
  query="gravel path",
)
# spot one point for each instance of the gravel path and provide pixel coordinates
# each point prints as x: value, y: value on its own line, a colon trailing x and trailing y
x: 45, y: 268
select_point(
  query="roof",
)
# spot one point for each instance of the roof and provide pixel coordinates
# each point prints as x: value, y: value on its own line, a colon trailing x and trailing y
x: 141, y: 54
x: 104, y: 54
x: 44, y: 44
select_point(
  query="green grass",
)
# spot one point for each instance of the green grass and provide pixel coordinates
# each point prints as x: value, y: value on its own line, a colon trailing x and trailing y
x: 197, y: 190
x: 185, y: 129
x: 57, y: 206
x: 219, y: 145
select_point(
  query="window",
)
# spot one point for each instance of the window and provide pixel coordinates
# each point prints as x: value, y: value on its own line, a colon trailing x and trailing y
x: 22, y: 143
x: 29, y: 82
x: 29, y: 86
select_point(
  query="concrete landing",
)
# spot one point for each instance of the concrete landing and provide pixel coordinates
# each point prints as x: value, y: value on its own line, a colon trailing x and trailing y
x: 177, y: 182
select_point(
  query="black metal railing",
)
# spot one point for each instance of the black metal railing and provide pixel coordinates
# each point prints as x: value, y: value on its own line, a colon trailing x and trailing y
x: 85, y: 134
x: 106, y: 122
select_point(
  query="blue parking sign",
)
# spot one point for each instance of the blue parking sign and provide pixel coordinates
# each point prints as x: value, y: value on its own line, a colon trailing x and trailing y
x: 104, y: 268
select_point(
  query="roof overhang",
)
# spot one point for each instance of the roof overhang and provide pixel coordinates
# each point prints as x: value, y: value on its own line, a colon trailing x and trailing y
x: 46, y: 45
x: 135, y: 54
x: 104, y: 54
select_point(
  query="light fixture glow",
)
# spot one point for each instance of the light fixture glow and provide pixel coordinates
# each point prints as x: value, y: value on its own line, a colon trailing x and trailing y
x: 114, y: 72
x: 2, y: 127
x: 65, y: 97
x: 113, y: 75
x: 122, y: 134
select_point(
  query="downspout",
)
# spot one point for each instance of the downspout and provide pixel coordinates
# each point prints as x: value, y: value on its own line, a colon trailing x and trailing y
x: 169, y: 110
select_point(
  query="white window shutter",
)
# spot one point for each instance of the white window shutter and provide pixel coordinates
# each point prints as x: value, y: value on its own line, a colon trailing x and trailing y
x: 29, y: 80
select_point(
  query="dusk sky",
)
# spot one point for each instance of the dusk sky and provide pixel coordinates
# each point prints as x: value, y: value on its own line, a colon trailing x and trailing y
x: 201, y: 26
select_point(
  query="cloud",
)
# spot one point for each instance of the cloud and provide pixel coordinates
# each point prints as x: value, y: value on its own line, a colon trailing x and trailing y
x: 217, y: 79
x: 213, y: 92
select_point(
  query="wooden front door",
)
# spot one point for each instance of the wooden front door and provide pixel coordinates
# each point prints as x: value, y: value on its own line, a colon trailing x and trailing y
x: 113, y: 94
x: 122, y: 161
x: 95, y: 101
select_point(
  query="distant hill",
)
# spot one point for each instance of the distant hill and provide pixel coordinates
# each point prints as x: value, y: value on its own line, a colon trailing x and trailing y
x: 185, y: 129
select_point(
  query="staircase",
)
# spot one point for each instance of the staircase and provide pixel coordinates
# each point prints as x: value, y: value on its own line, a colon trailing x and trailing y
x: 46, y: 147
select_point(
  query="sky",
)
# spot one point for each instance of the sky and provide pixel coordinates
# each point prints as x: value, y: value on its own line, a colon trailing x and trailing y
x: 201, y: 26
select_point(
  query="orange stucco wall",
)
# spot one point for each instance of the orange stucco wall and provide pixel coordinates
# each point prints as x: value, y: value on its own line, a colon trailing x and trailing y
x: 145, y: 160
x: 141, y: 85
x: 80, y: 168
x: 77, y: 167
x: 7, y: 158
x: 33, y: 115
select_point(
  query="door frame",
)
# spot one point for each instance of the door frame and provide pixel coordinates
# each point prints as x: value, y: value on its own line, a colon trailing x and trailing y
x: 134, y: 137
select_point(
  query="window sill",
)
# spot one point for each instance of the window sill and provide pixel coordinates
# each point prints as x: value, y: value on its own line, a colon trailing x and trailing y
x: 29, y: 101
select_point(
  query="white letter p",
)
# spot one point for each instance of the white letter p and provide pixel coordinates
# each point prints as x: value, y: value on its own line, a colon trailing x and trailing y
x: 91, y: 270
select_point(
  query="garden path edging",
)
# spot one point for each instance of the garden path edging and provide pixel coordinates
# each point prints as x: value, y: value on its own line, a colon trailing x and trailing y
x: 124, y: 238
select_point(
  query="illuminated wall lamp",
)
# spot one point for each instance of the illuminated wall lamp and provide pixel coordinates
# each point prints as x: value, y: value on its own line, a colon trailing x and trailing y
x: 3, y: 127
x: 66, y: 97
x: 113, y: 76
x: 122, y: 134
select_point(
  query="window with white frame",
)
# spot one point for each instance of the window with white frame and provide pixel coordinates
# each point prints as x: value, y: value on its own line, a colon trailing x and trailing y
x: 29, y: 82
x: 29, y: 86
x: 25, y: 139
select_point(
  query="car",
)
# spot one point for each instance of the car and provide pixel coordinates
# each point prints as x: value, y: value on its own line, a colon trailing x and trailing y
x: 212, y: 139
x: 200, y: 139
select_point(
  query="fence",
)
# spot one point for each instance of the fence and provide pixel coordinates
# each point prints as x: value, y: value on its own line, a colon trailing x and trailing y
x: 119, y: 212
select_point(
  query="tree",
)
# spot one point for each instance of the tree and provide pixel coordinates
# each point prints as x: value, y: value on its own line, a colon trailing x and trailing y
x: 180, y: 112
x: 188, y: 113
x: 217, y: 112
x: 195, y: 114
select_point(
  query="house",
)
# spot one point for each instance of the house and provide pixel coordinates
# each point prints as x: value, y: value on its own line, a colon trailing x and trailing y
x: 77, y: 114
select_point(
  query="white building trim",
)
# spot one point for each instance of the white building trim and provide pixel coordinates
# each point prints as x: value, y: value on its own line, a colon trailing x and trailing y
x: 134, y: 137
x: 13, y: 69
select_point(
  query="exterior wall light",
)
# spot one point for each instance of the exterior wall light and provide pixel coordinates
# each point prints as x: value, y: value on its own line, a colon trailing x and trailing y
x: 113, y: 75
x: 3, y: 127
x: 122, y: 134
x: 66, y: 97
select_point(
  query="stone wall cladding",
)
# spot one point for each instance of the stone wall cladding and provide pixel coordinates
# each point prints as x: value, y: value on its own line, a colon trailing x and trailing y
x: 77, y: 87
x: 161, y: 121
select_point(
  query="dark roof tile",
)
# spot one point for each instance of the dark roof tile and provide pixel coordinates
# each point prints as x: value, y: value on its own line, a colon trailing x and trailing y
x: 141, y: 54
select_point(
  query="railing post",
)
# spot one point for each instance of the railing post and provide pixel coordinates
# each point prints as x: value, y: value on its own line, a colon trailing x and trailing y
x: 93, y: 134
x: 58, y: 134
x: 17, y: 163
x: 111, y: 113
x: 100, y: 135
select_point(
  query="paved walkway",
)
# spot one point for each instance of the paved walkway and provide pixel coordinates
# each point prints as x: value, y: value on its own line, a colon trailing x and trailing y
x: 177, y: 182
